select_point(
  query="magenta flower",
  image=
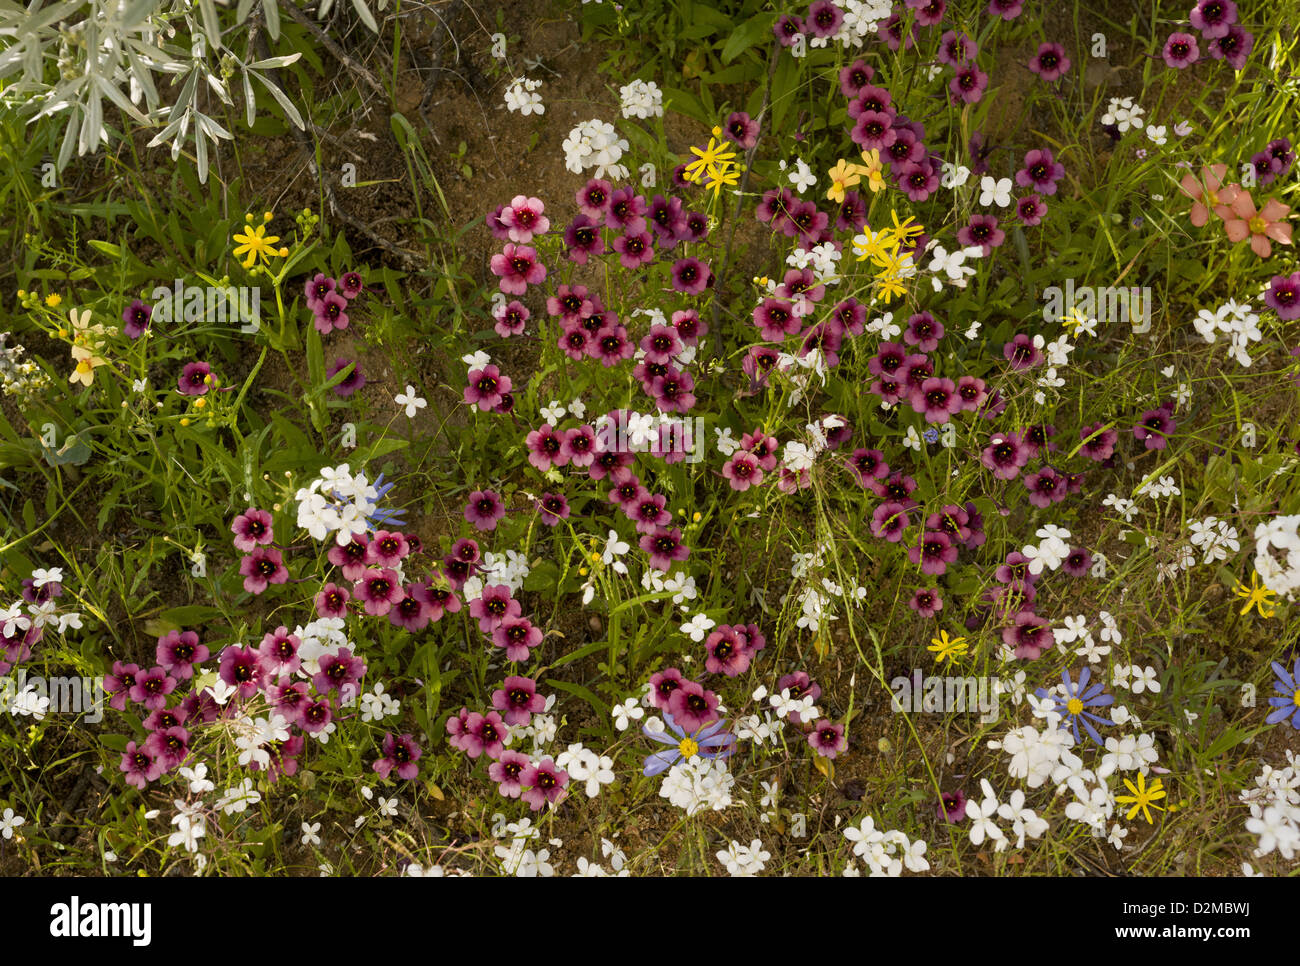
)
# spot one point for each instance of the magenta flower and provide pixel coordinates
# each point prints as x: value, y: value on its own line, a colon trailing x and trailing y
x: 1155, y: 427
x: 178, y: 651
x: 742, y: 471
x: 926, y: 602
x: 1041, y: 171
x: 413, y: 612
x: 982, y: 230
x: 824, y: 18
x: 400, y: 753
x: 691, y: 276
x: 341, y: 672
x: 873, y: 131
x: 1283, y: 296
x: 350, y: 383
x: 289, y: 699
x: 1078, y: 561
x: 664, y: 547
x: 854, y: 78
x: 786, y: 28
x: 136, y: 318
x: 329, y: 314
x: 1099, y: 441
x: 1006, y: 9
x: 1005, y: 455
x: 484, y: 509
x: 542, y: 783
x: 252, y: 528
x: 379, y: 591
x: 972, y: 392
x: 672, y: 392
x: 1045, y: 487
x: 726, y: 653
x: 1180, y: 50
x: 1030, y: 636
x: 494, y: 606
x: 969, y: 84
x: 350, y: 285
x: 508, y: 772
x: 553, y: 508
x: 649, y: 512
x: 194, y: 379
x: 523, y: 219
x: 937, y: 400
x: 923, y: 331
x: 518, y: 699
x: 278, y: 652
x: 635, y: 249
x: 1050, y: 63
x: 827, y: 739
x: 1021, y: 352
x: 261, y: 568
x: 663, y: 684
x: 518, y: 637
x: 933, y: 551
x: 151, y: 688
x: 241, y: 668
x: 517, y: 267
x: 692, y: 706
x: 486, y: 387
x: 1213, y: 18
x: 742, y: 130
x: 139, y: 766
x: 1031, y: 209
x: 582, y: 239
x: 169, y: 746
x: 316, y: 288
x: 955, y: 48
x: 388, y: 549
x: 353, y: 557
x: 1233, y: 47
x: 484, y: 733
x: 511, y: 318
x: 918, y: 180
x: 952, y: 807
x: 119, y: 683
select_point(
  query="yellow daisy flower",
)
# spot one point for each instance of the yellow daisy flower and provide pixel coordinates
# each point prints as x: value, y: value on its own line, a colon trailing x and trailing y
x: 1256, y: 595
x: 947, y: 648
x: 843, y: 175
x: 257, y: 243
x: 1142, y: 798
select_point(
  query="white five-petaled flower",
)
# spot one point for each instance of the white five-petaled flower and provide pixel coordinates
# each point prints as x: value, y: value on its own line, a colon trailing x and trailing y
x: 411, y: 401
x: 10, y: 821
x: 698, y: 626
x: 995, y: 191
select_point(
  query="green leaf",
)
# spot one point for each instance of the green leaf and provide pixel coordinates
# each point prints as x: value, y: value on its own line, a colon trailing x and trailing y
x: 749, y: 33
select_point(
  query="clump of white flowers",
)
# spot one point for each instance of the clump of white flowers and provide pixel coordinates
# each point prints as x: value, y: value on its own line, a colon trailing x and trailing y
x: 19, y: 377
x: 641, y: 99
x: 595, y: 144
x: 698, y: 784
x: 337, y: 502
x: 1275, y: 809
x: 1239, y: 322
x: 1123, y: 113
x: 1277, y: 554
x: 744, y: 860
x: 885, y: 853
x: 522, y: 97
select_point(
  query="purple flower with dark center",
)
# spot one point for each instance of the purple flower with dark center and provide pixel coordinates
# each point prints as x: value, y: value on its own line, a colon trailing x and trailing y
x: 917, y: 368
x: 933, y: 551
x: 926, y: 601
x: 1077, y: 562
x: 252, y: 528
x: 666, y: 219
x: 330, y: 313
x: 523, y: 219
x: 663, y: 684
x: 1045, y: 487
x: 807, y: 221
x: 169, y: 747
x: 593, y: 199
x: 611, y: 346
x: 1213, y: 18
x: 350, y: 383
x: 906, y: 149
x: 800, y: 686
x: 484, y: 509
x: 695, y: 227
x: 136, y: 318
x: 972, y: 392
x: 1283, y: 296
x: 918, y: 180
x: 165, y: 718
x: 649, y: 512
x: 1234, y: 47
x: 824, y: 19
x: 952, y: 807
x: 897, y: 487
x: 775, y: 319
x: 855, y: 77
x: 508, y: 772
x: 315, y: 716
x: 194, y: 379
x: 673, y: 392
x: 1022, y: 353
x: 486, y: 387
x: 571, y: 304
x: 582, y: 239
x: 414, y: 611
x: 546, y: 448
x: 664, y: 547
x: 982, y: 230
x: 1180, y: 50
x: 262, y: 567
x: 580, y: 445
x: 726, y: 653
x: 352, y: 557
x: 923, y: 331
x: 150, y: 688
x: 1099, y: 441
x: 518, y: 700
x: 1030, y: 636
x: 827, y: 738
x: 1030, y: 209
x: 1078, y: 697
x: 288, y: 699
x: 1006, y: 9
x: 553, y: 508
x: 517, y: 636
x: 241, y: 668
x: 439, y: 600
x: 388, y: 549
x: 741, y: 130
x: 936, y: 400
x: 139, y: 766
x: 178, y: 651
x: 969, y: 84
x: 955, y: 48
x: 851, y: 215
x: 691, y: 276
x: 278, y: 652
x: 1050, y: 63
x: 693, y: 706
x: 351, y: 285
x: 1005, y: 455
x: 316, y: 288
x: 635, y: 249
x: 493, y: 606
x: 517, y: 267
x: 874, y: 131
x: 379, y: 590
x: 786, y: 28
x: 1041, y: 171
x: 400, y: 754
x: 543, y: 783
x: 868, y: 464
x: 1015, y: 569
x: 119, y: 683
x: 341, y: 672
x: 1155, y: 427
x: 626, y: 211
x: 484, y: 733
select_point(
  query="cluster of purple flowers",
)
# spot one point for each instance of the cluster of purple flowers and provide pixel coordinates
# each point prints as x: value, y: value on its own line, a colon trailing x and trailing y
x: 328, y: 299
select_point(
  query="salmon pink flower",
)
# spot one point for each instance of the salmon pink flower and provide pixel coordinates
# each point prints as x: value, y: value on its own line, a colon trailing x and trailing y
x: 1208, y: 194
x: 1242, y: 221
